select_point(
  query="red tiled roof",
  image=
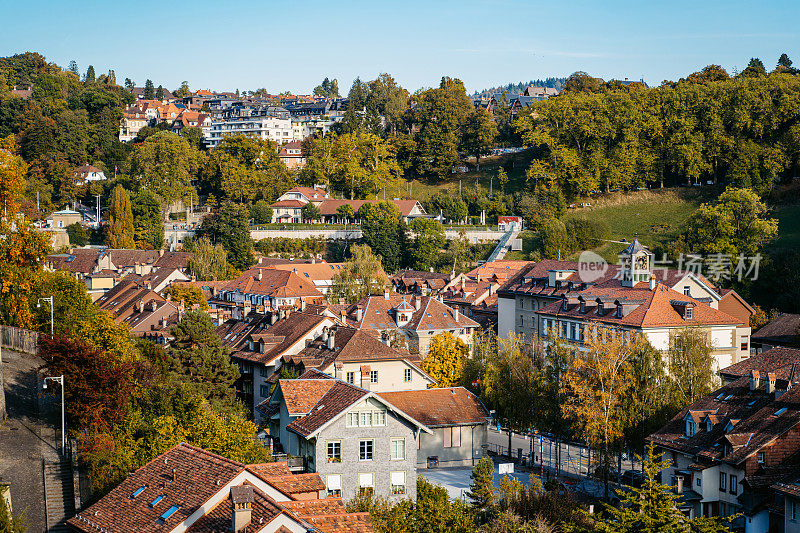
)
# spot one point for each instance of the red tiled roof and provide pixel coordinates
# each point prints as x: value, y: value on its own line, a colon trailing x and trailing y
x: 317, y: 271
x: 342, y: 523
x: 439, y: 407
x: 378, y: 314
x: 653, y: 308
x: 322, y: 506
x: 265, y: 470
x: 271, y: 281
x: 289, y: 203
x: 293, y: 484
x: 338, y: 398
x: 778, y: 360
x: 301, y: 395
x: 262, y: 511
x: 184, y: 476
x: 329, y: 207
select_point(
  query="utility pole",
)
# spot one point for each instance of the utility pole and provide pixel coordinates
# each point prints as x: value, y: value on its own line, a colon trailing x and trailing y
x: 98, y: 210
x: 37, y: 200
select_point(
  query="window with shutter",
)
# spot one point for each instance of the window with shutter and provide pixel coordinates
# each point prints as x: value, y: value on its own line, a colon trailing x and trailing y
x: 448, y: 438
x: 456, y: 439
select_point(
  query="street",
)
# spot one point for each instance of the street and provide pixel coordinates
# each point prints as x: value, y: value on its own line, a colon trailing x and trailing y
x: 575, y: 459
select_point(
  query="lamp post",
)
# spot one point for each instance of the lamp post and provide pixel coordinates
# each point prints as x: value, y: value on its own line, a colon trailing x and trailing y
x: 60, y: 379
x: 39, y: 305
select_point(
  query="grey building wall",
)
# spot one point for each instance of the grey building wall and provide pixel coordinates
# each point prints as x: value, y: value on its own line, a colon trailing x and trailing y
x: 468, y: 454
x: 381, y: 464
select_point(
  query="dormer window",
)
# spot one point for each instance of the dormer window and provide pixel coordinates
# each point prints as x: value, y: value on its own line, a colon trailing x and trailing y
x: 709, y: 426
x: 690, y: 428
x: 689, y: 313
x: 619, y: 311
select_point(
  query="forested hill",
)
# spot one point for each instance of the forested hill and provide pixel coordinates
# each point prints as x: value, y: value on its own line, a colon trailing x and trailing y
x: 518, y: 88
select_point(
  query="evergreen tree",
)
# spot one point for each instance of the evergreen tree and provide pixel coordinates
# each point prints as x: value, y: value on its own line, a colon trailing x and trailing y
x: 90, y: 76
x: 198, y: 358
x: 73, y: 67
x: 384, y: 232
x: 147, y: 220
x: 481, y: 490
x: 149, y: 91
x: 129, y: 84
x: 120, y: 226
x: 230, y: 227
x: 784, y: 61
x: 160, y: 93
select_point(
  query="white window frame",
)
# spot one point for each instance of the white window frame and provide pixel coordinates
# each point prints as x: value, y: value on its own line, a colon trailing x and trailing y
x: 393, y: 483
x: 328, y: 450
x: 373, y: 376
x: 406, y: 375
x: 330, y: 485
x: 398, y: 444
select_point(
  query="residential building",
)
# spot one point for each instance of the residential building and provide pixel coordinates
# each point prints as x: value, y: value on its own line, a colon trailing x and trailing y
x: 783, y: 330
x: 138, y: 92
x: 269, y: 123
x: 418, y: 318
x: 353, y: 438
x: 193, y: 119
x: 551, y: 296
x: 265, y: 289
x: 770, y: 360
x: 193, y: 490
x: 458, y: 421
x: 126, y: 298
x: 133, y: 120
x: 409, y: 209
x: 360, y: 359
x: 729, y: 449
x: 320, y: 273
x: 316, y: 195
x: 287, y: 212
x: 419, y: 282
x: 292, y: 155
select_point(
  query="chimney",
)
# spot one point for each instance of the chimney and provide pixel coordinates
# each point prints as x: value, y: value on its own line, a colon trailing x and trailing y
x: 161, y: 253
x: 462, y: 283
x: 325, y: 334
x: 386, y: 294
x: 302, y: 304
x: 771, y: 383
x: 455, y: 313
x: 479, y: 277
x: 417, y: 303
x: 344, y: 317
x: 359, y: 313
x: 141, y: 306
x: 337, y: 370
x: 242, y: 498
x: 679, y: 484
x: 755, y: 380
x: 431, y: 269
x: 331, y: 338
x: 274, y: 317
x: 260, y: 274
x: 652, y: 283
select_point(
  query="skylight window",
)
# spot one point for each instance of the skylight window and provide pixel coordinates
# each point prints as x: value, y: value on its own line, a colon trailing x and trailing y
x: 751, y: 403
x: 720, y: 395
x: 780, y: 411
x: 155, y: 502
x: 138, y: 491
x: 169, y: 512
x: 728, y: 397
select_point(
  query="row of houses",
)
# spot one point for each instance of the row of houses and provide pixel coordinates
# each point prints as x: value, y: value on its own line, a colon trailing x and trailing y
x: 288, y: 208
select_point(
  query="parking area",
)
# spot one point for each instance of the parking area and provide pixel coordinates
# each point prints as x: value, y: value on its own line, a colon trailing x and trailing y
x: 457, y: 479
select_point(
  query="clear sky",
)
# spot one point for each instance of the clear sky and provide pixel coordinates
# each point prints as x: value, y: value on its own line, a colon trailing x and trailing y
x: 292, y: 45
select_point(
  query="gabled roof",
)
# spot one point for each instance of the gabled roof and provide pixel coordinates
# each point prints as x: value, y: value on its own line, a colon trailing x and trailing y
x: 301, y: 395
x: 318, y: 271
x: 762, y: 418
x: 378, y: 314
x: 263, y: 510
x: 454, y: 406
x: 777, y: 360
x: 784, y: 329
x: 271, y: 282
x: 329, y: 207
x: 280, y: 336
x: 185, y: 475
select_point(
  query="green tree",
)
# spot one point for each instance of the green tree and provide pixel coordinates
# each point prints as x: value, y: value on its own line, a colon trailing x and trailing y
x: 261, y: 212
x: 502, y: 179
x: 345, y: 212
x: 328, y: 88
x: 653, y: 507
x: 426, y: 246
x: 90, y: 77
x: 439, y: 115
x: 147, y: 220
x: 248, y: 168
x: 120, y: 230
x: 479, y: 134
x: 77, y: 234
x: 160, y: 93
x: 445, y: 359
x: 754, y: 68
x: 691, y: 365
x: 183, y: 91
x: 190, y: 295
x: 149, y: 90
x: 165, y: 164
x: 310, y: 212
x: 481, y: 490
x: 197, y: 357
x: 384, y: 232
x: 129, y: 84
x: 209, y: 262
x: 361, y: 276
x: 230, y: 227
x: 73, y: 68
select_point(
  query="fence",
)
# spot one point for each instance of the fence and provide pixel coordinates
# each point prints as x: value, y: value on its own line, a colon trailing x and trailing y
x: 18, y: 339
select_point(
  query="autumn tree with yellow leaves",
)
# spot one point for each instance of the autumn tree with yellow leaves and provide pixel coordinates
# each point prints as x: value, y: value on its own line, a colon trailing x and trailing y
x: 445, y: 359
x: 594, y: 387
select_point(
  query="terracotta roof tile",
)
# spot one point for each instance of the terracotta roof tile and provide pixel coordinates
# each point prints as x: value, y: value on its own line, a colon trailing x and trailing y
x: 265, y: 470
x: 294, y: 484
x: 337, y: 399
x: 439, y: 407
x: 322, y: 506
x: 301, y: 395
x: 342, y: 523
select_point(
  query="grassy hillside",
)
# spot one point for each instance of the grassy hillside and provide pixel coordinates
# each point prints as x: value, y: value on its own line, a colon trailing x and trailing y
x: 655, y: 216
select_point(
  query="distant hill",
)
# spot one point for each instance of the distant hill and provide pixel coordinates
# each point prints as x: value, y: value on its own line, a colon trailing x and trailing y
x: 518, y: 88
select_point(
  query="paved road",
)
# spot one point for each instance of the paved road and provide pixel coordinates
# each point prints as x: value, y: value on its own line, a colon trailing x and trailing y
x: 24, y: 439
x: 575, y: 460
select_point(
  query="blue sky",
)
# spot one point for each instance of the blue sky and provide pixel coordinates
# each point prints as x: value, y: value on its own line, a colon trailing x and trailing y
x: 292, y: 45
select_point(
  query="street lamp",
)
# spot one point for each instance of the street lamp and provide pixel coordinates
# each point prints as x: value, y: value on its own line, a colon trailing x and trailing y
x: 60, y: 379
x: 39, y: 305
